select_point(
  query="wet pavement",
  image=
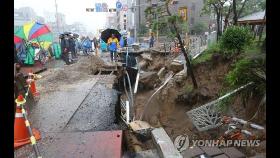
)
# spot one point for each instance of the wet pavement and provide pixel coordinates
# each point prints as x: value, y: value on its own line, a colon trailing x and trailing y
x: 54, y: 110
x: 73, y: 110
x: 97, y: 111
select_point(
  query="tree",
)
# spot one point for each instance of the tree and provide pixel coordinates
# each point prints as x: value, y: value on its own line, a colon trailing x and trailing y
x: 227, y: 15
x: 217, y: 6
x: 236, y: 14
x: 242, y: 8
x: 173, y: 23
x: 251, y: 6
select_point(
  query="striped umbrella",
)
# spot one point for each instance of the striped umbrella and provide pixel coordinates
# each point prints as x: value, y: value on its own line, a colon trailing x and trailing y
x: 34, y: 32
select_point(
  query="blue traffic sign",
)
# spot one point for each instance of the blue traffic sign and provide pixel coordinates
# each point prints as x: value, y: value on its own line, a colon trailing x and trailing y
x: 119, y: 5
x: 98, y: 7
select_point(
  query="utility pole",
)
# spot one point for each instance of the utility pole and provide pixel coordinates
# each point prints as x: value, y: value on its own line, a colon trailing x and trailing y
x: 56, y: 16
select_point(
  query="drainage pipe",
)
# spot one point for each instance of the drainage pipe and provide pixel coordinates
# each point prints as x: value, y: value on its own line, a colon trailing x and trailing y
x: 130, y: 88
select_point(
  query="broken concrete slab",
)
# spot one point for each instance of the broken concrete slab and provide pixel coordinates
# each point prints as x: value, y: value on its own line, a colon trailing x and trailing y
x: 180, y: 77
x: 221, y: 156
x: 165, y: 146
x: 212, y: 151
x: 139, y: 125
x: 147, y: 56
x: 262, y: 155
x: 192, y: 152
x: 143, y: 64
x: 148, y: 80
x: 232, y: 152
x: 142, y: 129
x: 176, y: 67
x: 152, y: 153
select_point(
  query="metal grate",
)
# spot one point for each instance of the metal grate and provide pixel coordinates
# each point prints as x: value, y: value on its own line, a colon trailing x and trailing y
x: 205, y: 117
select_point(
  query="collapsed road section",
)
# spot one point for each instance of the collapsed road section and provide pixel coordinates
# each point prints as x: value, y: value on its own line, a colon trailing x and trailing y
x: 72, y: 108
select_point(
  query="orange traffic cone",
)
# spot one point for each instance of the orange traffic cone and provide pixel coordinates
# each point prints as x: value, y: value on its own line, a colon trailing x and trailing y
x: 21, y: 135
x: 31, y: 81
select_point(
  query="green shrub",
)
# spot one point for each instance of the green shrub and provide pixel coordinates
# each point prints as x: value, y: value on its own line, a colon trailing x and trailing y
x: 235, y: 39
x: 214, y: 48
x: 249, y: 69
x: 240, y: 74
x: 207, y: 54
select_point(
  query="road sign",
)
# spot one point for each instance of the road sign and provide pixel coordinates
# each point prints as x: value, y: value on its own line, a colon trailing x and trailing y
x: 125, y: 7
x: 98, y: 7
x: 90, y: 9
x: 104, y: 7
x: 112, y: 10
x: 118, y: 5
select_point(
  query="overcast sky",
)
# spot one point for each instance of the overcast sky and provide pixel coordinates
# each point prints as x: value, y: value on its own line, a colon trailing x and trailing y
x: 74, y: 10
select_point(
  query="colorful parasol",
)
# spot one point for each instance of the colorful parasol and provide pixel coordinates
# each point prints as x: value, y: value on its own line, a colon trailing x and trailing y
x: 34, y: 32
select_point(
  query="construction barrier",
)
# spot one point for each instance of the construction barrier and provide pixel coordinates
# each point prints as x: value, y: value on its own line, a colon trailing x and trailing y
x: 23, y: 134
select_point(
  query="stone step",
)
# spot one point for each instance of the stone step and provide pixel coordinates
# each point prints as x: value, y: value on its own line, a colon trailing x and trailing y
x: 165, y: 146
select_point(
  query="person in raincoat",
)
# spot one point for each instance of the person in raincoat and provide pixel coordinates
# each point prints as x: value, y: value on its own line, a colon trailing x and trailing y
x: 113, y: 45
x: 56, y: 50
x: 103, y: 46
x: 86, y: 46
x: 30, y: 54
x: 95, y: 42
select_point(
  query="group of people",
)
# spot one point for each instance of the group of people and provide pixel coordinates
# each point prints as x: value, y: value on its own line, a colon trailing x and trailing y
x: 68, y: 43
x: 71, y: 45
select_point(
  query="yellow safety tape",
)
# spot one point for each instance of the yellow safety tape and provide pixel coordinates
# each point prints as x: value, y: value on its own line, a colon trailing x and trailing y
x: 33, y: 140
x: 20, y: 102
x: 27, y: 123
x: 23, y: 111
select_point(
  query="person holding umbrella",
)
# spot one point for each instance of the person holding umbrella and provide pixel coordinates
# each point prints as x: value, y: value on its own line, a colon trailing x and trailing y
x: 113, y: 45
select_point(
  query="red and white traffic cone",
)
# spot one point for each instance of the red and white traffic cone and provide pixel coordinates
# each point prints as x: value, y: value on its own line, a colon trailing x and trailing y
x: 31, y: 81
x: 21, y: 125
